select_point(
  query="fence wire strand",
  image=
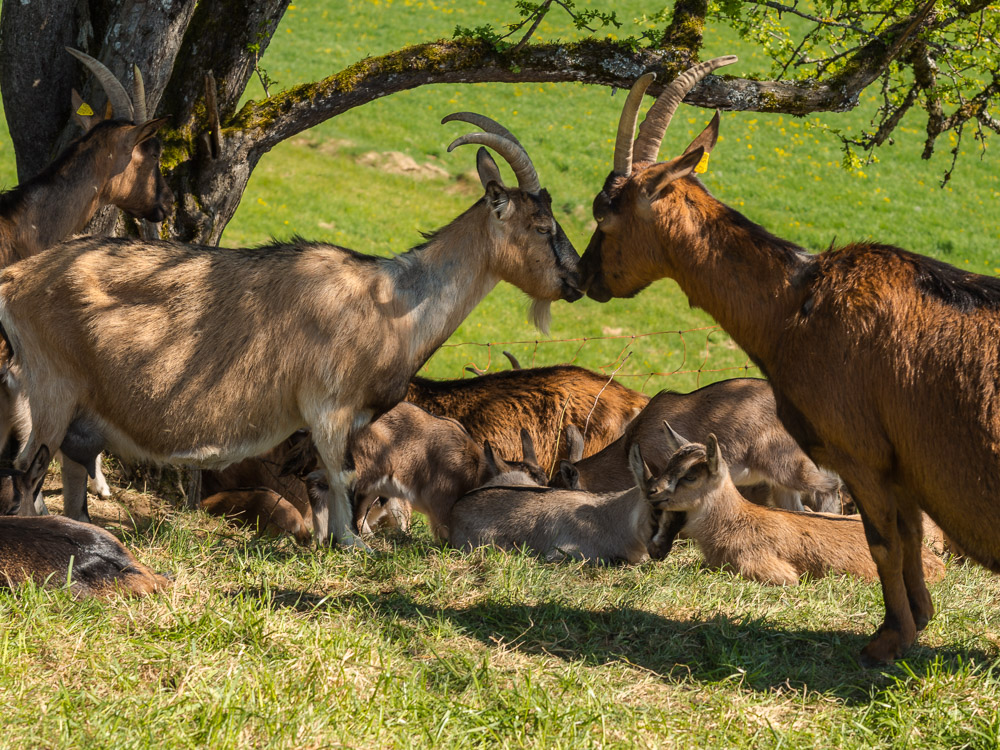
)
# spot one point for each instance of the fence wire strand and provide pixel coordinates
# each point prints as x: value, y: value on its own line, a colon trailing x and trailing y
x: 612, y: 368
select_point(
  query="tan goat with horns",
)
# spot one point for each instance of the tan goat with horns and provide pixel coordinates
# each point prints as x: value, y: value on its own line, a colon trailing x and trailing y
x: 204, y: 356
x: 883, y: 362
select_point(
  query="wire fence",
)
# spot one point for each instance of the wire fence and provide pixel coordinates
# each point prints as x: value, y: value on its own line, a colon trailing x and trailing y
x: 698, y: 355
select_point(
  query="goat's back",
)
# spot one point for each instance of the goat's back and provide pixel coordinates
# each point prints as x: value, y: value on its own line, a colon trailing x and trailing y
x: 779, y: 546
x: 543, y: 400
x: 50, y: 549
x: 554, y: 523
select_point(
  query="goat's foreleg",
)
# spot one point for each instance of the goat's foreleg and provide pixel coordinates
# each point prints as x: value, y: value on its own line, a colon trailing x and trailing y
x: 879, y: 515
x: 333, y: 519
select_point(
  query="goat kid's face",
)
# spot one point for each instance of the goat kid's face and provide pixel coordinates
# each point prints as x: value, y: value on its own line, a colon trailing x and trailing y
x: 692, y: 473
x: 534, y: 253
x: 138, y: 186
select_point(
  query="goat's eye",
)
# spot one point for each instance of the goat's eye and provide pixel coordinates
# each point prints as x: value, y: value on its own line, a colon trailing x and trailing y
x: 544, y: 230
x: 691, y: 476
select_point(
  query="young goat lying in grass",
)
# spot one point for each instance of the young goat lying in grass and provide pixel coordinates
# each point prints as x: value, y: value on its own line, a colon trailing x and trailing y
x: 762, y: 544
x: 262, y: 509
x: 55, y: 550
x: 555, y: 523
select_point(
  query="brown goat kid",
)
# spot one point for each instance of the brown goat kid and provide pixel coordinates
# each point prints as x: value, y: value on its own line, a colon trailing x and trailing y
x: 883, y: 363
x: 742, y: 413
x: 261, y: 509
x: 55, y: 550
x: 543, y: 400
x: 763, y: 544
x: 158, y: 349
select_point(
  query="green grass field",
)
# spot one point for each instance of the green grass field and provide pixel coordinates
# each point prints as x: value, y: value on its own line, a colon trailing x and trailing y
x: 260, y: 643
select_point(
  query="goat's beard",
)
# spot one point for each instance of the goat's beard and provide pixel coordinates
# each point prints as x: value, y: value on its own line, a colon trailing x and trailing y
x: 541, y: 314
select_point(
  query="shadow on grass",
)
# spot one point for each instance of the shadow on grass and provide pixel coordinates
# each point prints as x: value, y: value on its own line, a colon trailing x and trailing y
x: 753, y: 653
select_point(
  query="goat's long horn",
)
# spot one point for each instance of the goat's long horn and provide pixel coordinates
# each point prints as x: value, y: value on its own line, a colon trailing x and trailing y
x: 516, y: 156
x: 120, y: 103
x: 653, y: 128
x: 482, y: 121
x: 138, y: 95
x: 626, y: 124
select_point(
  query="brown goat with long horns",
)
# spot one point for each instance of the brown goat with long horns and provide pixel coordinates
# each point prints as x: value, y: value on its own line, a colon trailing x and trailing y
x: 883, y: 363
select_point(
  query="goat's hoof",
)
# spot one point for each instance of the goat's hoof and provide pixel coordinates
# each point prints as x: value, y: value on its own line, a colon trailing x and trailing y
x: 887, y: 646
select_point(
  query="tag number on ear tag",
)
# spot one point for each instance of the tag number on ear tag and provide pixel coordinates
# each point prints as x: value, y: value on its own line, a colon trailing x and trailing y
x: 702, y: 166
x: 85, y: 110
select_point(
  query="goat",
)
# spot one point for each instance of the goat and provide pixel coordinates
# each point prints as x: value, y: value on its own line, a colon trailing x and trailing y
x: 281, y: 469
x: 157, y: 348
x: 427, y: 462
x: 763, y: 544
x: 259, y: 508
x: 554, y: 523
x: 883, y: 362
x: 115, y: 162
x: 56, y: 551
x: 495, y: 406
x: 409, y: 458
x: 742, y: 413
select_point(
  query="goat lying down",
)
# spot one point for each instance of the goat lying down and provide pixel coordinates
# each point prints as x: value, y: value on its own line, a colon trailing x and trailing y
x: 497, y: 405
x: 408, y: 457
x: 555, y: 523
x: 261, y: 509
x: 158, y: 348
x: 762, y: 544
x: 55, y: 550
x: 742, y: 414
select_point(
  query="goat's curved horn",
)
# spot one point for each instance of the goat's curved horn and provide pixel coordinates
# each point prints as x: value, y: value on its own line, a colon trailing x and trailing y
x: 512, y: 151
x: 138, y: 95
x: 653, y: 128
x: 626, y: 124
x: 482, y: 121
x: 121, y: 105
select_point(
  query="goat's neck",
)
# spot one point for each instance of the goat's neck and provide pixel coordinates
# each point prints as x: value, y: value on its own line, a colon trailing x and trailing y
x: 741, y: 275
x: 723, y: 509
x: 437, y: 285
x: 51, y: 208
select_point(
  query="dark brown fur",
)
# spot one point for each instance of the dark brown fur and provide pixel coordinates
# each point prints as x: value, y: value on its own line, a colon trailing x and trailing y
x: 262, y: 509
x: 543, y: 400
x: 49, y: 550
x: 883, y: 363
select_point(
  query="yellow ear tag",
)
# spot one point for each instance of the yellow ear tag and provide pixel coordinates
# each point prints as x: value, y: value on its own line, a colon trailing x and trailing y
x: 85, y: 110
x: 702, y: 166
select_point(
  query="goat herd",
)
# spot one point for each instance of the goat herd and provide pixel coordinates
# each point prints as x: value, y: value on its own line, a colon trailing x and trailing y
x: 881, y: 367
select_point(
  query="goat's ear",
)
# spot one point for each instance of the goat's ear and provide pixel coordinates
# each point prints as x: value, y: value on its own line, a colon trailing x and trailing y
x: 494, y: 463
x: 659, y: 176
x: 147, y: 130
x: 712, y: 453
x: 527, y: 447
x: 639, y: 469
x: 674, y: 441
x: 707, y: 138
x: 82, y: 112
x: 574, y: 443
x: 496, y: 194
x: 570, y: 475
